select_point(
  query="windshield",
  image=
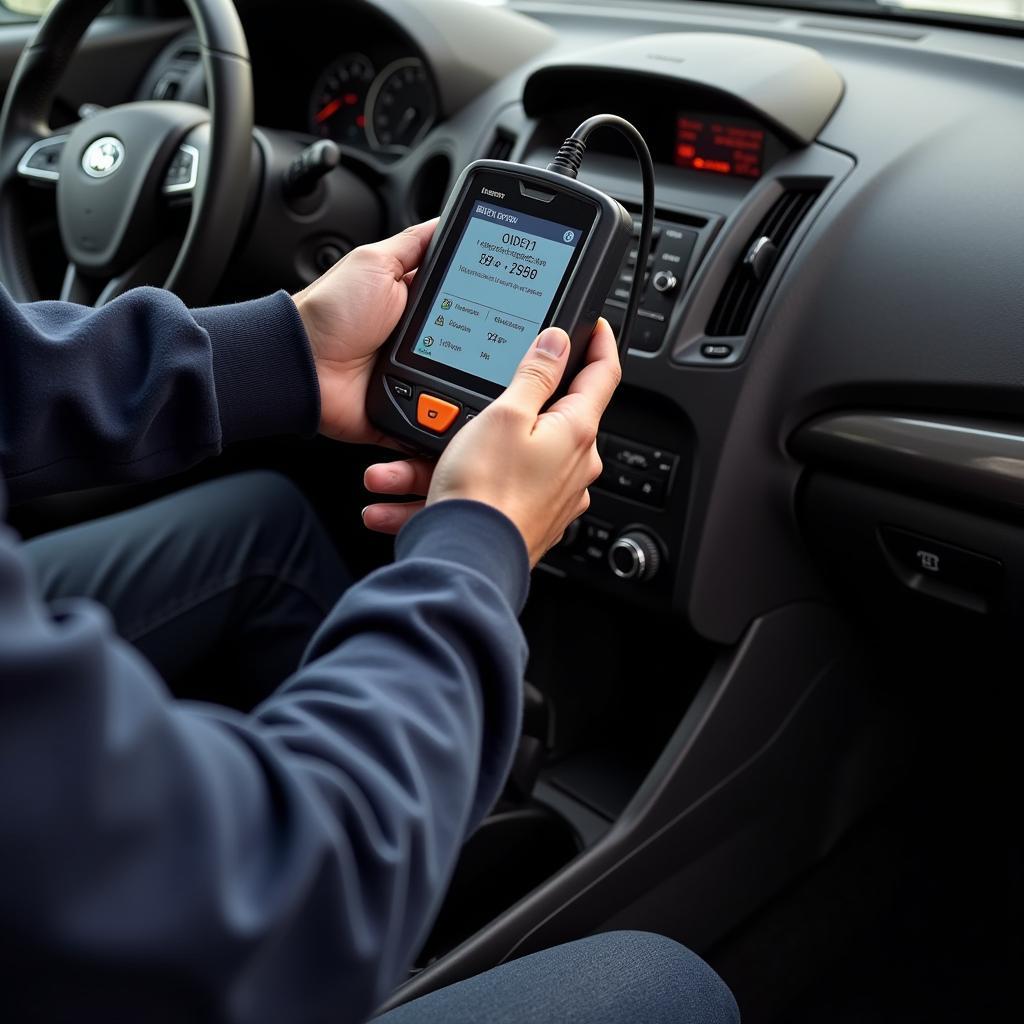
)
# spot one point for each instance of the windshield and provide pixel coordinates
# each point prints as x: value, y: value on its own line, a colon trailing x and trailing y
x: 991, y: 10
x: 1007, y: 9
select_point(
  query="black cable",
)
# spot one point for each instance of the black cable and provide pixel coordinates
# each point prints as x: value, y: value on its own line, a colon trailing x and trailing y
x: 567, y: 162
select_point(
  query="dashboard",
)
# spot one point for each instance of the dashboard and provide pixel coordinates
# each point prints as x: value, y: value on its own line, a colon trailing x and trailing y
x: 838, y: 227
x: 360, y: 80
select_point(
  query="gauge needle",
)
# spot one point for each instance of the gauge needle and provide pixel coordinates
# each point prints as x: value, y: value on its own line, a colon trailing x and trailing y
x: 328, y: 111
x: 407, y: 118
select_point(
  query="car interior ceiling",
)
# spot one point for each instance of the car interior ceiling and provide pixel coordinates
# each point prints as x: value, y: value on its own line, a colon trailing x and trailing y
x: 773, y: 688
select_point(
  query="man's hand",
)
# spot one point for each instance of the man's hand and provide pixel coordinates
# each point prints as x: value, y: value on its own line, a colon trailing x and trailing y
x: 348, y: 314
x: 534, y: 466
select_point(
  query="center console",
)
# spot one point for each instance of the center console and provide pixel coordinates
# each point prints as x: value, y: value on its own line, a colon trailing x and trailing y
x: 671, y: 785
x: 724, y: 144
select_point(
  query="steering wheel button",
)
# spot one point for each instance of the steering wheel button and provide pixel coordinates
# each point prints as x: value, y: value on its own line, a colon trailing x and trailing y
x: 435, y: 413
x: 48, y: 158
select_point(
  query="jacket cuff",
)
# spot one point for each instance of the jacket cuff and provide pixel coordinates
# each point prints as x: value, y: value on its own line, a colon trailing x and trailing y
x: 263, y: 368
x: 473, y: 535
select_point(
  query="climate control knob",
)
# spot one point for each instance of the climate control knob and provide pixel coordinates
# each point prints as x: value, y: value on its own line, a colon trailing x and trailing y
x: 664, y: 281
x: 635, y: 556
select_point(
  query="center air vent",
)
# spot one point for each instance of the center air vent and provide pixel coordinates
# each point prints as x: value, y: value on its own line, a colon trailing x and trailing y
x: 746, y: 282
x: 501, y: 145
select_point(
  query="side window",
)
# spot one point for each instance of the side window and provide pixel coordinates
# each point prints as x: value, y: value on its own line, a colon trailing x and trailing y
x: 28, y: 8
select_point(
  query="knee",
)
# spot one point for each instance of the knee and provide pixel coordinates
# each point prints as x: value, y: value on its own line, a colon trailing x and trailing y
x: 676, y: 983
x: 269, y: 495
x: 283, y: 531
x: 261, y: 516
x: 263, y: 509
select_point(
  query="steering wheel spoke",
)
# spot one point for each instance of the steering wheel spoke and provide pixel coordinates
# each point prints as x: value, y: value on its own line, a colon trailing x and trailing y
x: 151, y: 268
x: 41, y: 161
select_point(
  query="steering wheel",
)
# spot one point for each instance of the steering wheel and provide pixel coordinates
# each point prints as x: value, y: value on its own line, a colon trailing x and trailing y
x: 115, y: 172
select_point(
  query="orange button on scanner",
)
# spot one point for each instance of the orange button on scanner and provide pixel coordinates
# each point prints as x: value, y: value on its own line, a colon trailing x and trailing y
x: 435, y: 413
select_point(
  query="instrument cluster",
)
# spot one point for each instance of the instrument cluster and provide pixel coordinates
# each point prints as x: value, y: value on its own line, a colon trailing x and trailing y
x: 387, y: 109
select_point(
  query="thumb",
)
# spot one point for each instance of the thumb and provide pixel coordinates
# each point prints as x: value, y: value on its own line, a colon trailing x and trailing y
x: 406, y: 249
x: 539, y: 372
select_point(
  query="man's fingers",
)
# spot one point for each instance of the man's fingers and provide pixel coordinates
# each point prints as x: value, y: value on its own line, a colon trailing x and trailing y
x: 408, y: 247
x: 390, y: 518
x: 404, y: 476
x: 539, y: 372
x: 582, y: 407
x: 602, y: 371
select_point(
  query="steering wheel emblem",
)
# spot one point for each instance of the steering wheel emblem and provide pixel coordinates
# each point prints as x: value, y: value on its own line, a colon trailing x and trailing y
x: 103, y: 157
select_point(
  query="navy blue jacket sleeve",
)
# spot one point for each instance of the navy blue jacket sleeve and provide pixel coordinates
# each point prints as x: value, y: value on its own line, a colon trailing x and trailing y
x: 143, y: 387
x: 164, y: 861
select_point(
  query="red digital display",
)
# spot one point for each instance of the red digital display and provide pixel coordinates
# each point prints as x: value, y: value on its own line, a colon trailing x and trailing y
x: 718, y: 147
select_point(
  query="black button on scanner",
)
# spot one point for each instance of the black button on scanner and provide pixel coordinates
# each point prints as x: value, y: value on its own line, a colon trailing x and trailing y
x: 401, y: 389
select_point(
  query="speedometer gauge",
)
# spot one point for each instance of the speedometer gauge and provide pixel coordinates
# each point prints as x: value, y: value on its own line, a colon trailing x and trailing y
x: 338, y: 106
x: 401, y: 106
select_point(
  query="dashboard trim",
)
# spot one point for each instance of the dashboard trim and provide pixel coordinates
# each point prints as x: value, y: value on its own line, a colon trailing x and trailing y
x: 977, y: 459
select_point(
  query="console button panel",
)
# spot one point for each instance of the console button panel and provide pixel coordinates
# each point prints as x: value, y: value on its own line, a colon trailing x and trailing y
x: 672, y: 249
x: 636, y: 471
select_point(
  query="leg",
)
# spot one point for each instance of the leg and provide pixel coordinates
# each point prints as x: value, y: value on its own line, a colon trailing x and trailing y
x: 220, y: 586
x: 605, y: 979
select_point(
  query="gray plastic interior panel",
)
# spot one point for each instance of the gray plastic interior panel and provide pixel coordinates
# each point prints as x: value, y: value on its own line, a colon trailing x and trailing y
x: 723, y: 815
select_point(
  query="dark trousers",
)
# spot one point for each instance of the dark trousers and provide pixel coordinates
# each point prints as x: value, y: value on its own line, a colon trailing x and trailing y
x: 613, y: 978
x: 220, y: 586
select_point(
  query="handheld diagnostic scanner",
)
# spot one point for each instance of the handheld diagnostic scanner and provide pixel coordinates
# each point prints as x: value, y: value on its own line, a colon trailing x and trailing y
x: 517, y: 249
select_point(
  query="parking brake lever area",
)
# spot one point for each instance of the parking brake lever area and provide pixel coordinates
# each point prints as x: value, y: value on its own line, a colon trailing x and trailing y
x: 533, y: 745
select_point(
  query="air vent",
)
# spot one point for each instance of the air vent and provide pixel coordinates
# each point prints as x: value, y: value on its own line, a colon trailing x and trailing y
x: 738, y: 300
x: 501, y: 145
x: 180, y: 63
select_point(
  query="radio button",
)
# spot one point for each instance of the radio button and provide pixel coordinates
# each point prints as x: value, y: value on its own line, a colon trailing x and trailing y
x: 664, y: 462
x: 652, y: 492
x: 435, y: 414
x: 629, y: 454
x: 655, y: 231
x: 619, y: 481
